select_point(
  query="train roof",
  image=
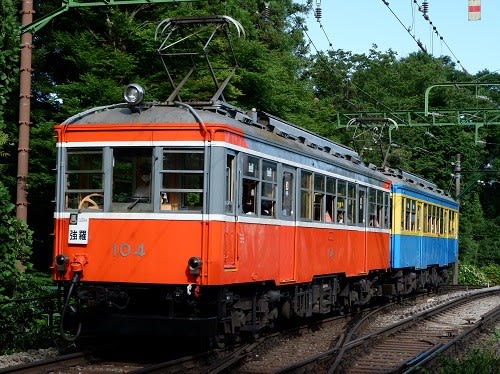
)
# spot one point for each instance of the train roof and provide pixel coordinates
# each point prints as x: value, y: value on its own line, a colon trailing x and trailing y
x: 401, y: 179
x: 259, y: 125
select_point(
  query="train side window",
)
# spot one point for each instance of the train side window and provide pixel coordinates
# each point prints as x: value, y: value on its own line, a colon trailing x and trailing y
x: 441, y: 221
x: 446, y: 213
x: 287, y: 195
x: 250, y: 184
x: 432, y: 219
x: 319, y: 192
x: 268, y: 193
x: 330, y: 199
x: 84, y: 179
x: 410, y: 211
x: 413, y: 218
x: 362, y: 206
x: 426, y: 217
x: 182, y: 179
x: 341, y: 202
x: 387, y: 214
x: 351, y: 204
x: 306, y: 195
x: 453, y: 223
x: 418, y: 227
x: 375, y: 207
x: 230, y: 170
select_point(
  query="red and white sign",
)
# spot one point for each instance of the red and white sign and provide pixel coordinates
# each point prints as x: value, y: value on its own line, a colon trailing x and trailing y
x: 474, y: 10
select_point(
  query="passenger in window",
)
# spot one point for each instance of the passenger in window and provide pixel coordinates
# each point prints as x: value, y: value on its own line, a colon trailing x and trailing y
x: 340, y: 217
x: 143, y: 190
x: 266, y: 208
x: 328, y: 216
x: 373, y: 222
x: 248, y: 206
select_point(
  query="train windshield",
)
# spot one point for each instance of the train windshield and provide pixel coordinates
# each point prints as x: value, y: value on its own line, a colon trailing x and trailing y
x: 126, y: 179
x: 132, y: 179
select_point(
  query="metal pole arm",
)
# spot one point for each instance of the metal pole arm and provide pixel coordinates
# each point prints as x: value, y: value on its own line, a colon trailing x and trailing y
x: 67, y: 4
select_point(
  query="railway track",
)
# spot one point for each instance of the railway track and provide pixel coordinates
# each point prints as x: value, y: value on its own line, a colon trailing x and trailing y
x: 417, y: 340
x: 376, y: 344
x: 50, y: 365
x: 373, y: 343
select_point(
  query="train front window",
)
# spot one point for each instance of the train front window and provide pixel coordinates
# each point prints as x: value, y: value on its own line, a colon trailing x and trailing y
x: 182, y: 180
x: 84, y: 179
x: 132, y: 180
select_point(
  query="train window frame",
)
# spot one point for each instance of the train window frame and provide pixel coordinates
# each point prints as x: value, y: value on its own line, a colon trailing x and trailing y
x: 132, y: 179
x: 340, y: 210
x: 89, y: 196
x: 361, y: 205
x: 387, y: 214
x: 288, y: 180
x: 351, y: 207
x: 184, y: 192
x: 268, y: 188
x: 230, y: 180
x: 378, y: 208
x: 319, y: 187
x: 306, y: 195
x: 330, y: 198
x: 250, y: 184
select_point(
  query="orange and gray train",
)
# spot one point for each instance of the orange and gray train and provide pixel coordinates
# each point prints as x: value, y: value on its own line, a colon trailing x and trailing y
x: 207, y: 220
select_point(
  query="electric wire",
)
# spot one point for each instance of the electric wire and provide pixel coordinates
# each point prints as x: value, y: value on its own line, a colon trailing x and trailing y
x: 407, y: 29
x: 322, y: 57
x: 425, y: 15
x: 330, y: 44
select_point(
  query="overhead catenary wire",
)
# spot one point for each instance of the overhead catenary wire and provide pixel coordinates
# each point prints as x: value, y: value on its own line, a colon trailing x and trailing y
x: 424, y: 8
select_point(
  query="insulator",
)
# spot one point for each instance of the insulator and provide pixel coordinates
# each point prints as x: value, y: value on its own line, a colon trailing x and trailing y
x: 266, y: 12
x: 318, y: 13
x: 425, y: 7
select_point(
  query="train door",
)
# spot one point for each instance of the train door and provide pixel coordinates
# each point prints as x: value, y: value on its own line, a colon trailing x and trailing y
x: 363, y: 222
x: 288, y: 228
x: 230, y: 246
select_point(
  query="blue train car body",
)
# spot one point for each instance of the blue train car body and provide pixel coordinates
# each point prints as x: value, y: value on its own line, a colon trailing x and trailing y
x: 424, y: 224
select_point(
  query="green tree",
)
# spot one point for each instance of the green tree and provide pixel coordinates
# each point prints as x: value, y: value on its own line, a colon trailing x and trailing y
x: 9, y: 52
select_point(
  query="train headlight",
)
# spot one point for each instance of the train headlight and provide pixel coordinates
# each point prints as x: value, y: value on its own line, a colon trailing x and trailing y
x: 61, y: 262
x: 194, y: 264
x: 133, y: 94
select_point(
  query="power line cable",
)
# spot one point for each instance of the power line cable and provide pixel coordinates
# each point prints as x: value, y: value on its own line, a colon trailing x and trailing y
x: 407, y: 29
x: 424, y: 8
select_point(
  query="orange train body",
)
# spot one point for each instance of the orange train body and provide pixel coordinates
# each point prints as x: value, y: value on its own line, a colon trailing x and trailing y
x: 155, y: 251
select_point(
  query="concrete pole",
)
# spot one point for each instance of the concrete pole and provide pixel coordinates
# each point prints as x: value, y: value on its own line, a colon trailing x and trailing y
x: 457, y: 195
x: 24, y: 112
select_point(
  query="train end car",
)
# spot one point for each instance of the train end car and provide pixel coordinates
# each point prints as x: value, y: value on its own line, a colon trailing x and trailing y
x: 424, y: 240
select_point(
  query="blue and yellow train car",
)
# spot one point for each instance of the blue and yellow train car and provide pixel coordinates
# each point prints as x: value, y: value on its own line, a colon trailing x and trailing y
x: 424, y: 224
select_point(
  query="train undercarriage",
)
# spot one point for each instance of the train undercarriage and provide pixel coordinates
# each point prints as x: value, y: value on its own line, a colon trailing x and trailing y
x: 228, y: 312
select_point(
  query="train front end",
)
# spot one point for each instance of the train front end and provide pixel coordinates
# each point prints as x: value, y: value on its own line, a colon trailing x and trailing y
x: 130, y: 233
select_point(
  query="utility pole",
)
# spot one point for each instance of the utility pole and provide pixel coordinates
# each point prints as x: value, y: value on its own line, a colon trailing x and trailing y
x: 24, y: 112
x: 457, y: 195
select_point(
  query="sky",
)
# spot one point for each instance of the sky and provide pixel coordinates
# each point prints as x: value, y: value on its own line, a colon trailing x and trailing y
x: 355, y: 25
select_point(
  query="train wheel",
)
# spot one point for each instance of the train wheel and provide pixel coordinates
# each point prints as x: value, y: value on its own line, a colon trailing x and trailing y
x: 220, y: 341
